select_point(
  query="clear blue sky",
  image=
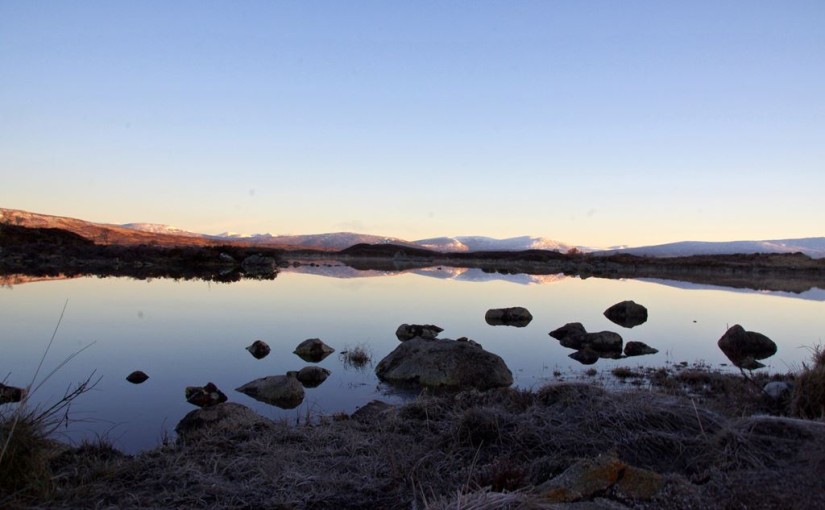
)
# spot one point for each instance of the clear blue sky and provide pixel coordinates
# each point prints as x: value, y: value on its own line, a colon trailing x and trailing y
x: 595, y: 123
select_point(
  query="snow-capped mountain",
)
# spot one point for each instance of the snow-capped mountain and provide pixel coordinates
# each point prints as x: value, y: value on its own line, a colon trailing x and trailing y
x: 812, y: 246
x: 156, y: 228
x: 481, y: 243
x: 331, y: 241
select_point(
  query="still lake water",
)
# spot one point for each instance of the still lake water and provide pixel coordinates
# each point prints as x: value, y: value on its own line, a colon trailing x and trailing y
x: 185, y: 333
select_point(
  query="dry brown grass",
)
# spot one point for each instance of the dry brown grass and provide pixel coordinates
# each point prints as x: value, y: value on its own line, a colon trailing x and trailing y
x: 467, y: 450
x: 808, y: 398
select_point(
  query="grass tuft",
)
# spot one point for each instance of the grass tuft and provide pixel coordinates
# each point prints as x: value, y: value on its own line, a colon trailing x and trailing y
x: 808, y: 398
x: 359, y: 357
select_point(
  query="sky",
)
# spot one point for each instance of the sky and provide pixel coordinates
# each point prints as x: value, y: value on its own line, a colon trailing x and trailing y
x: 596, y: 123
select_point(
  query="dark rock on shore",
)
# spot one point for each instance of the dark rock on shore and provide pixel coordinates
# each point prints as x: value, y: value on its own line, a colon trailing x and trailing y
x: 446, y: 364
x: 137, y: 377
x: 372, y: 411
x: 204, y: 396
x: 313, y: 350
x: 516, y: 316
x: 284, y: 391
x: 627, y: 314
x: 227, y: 417
x: 259, y: 349
x: 743, y: 348
x: 312, y: 376
x: 407, y: 331
x: 634, y: 348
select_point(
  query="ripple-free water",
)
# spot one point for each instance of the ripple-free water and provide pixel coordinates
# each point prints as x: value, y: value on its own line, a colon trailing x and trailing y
x: 185, y: 333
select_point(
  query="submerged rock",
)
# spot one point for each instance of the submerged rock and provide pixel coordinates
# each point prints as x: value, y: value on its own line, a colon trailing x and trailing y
x: 204, y: 396
x: 312, y: 376
x: 259, y: 349
x: 407, y: 331
x: 516, y: 316
x: 634, y: 348
x: 627, y: 314
x: 137, y: 377
x: 743, y: 348
x: 10, y: 394
x: 284, y: 391
x: 447, y: 364
x: 313, y: 350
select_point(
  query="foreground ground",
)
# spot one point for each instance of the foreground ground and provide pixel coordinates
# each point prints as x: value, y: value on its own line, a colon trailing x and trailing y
x: 686, y: 438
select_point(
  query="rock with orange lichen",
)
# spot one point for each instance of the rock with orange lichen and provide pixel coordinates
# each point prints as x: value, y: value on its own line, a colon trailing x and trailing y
x: 590, y: 478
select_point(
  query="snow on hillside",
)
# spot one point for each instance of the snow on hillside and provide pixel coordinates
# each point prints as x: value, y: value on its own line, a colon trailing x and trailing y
x: 156, y: 228
x: 482, y: 243
x: 813, y: 247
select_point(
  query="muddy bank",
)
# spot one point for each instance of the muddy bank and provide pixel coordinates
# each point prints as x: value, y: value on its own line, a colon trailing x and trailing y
x: 563, y: 445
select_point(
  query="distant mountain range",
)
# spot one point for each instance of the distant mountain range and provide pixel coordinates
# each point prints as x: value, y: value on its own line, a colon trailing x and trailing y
x: 164, y: 235
x: 814, y: 247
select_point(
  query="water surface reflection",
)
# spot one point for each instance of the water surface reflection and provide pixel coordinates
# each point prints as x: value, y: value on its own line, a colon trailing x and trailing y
x: 185, y: 333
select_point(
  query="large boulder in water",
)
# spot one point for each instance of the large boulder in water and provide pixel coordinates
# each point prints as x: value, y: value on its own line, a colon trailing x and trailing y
x: 408, y: 331
x: 516, y: 316
x: 627, y: 314
x: 743, y: 348
x: 447, y: 364
x: 284, y: 391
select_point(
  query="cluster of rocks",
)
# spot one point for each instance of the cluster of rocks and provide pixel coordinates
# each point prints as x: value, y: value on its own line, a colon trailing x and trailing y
x: 284, y: 391
x: 592, y: 346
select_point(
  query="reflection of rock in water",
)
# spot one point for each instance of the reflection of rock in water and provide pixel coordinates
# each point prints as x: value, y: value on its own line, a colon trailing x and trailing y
x: 284, y: 391
x: 516, y: 316
x: 743, y: 348
x: 627, y: 314
x: 313, y: 350
x: 137, y: 377
x: 259, y: 349
x: 312, y: 376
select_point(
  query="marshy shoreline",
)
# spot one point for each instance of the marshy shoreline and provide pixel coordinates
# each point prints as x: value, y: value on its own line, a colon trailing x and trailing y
x: 679, y: 437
